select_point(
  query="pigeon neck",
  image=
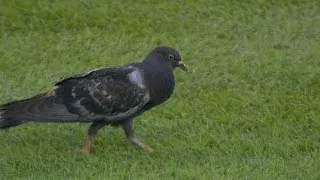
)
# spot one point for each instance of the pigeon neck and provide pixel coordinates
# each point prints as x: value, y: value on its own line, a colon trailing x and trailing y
x: 159, y: 79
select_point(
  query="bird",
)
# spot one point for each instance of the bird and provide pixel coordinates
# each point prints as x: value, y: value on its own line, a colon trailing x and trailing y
x: 107, y: 96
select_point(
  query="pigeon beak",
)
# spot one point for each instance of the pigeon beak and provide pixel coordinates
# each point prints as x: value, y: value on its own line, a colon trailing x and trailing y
x: 182, y: 66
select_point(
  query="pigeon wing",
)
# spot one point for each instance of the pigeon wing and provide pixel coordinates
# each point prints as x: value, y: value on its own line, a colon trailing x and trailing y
x: 110, y: 94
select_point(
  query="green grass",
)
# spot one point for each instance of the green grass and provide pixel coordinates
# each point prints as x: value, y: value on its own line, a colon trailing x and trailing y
x: 248, y: 109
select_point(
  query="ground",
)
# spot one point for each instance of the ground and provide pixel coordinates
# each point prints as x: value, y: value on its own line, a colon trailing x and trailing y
x: 249, y: 107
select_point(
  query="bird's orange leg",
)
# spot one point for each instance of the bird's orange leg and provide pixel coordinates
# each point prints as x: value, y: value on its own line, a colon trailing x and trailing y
x: 128, y: 129
x: 92, y: 132
x: 136, y: 141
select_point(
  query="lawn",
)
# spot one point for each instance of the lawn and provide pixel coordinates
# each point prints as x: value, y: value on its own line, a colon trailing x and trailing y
x: 249, y: 108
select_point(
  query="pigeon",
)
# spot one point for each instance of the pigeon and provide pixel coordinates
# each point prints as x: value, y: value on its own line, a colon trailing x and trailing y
x: 107, y: 96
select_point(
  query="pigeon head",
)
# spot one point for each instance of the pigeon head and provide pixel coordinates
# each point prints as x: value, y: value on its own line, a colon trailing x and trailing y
x: 169, y: 55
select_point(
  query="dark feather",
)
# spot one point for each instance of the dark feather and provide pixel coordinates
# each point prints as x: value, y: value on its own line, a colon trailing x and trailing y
x: 103, y: 94
x: 106, y: 94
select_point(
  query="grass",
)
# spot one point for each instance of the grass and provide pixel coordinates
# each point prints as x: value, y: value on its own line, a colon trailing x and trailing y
x: 248, y: 109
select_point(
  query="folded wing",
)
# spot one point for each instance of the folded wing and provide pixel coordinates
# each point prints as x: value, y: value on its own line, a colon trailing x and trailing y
x: 110, y: 94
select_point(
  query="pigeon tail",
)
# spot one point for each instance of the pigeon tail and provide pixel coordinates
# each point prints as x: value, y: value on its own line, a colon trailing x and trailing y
x: 7, y: 122
x: 15, y: 113
x: 18, y: 112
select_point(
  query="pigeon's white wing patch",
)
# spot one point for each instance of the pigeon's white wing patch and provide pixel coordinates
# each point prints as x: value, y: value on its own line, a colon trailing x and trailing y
x: 136, y: 78
x: 89, y: 72
x: 53, y: 91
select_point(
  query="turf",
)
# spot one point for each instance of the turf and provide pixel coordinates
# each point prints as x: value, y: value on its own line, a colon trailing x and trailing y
x: 249, y: 108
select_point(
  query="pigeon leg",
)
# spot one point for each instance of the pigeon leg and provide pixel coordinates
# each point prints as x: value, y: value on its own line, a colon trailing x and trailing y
x: 128, y: 129
x: 92, y: 132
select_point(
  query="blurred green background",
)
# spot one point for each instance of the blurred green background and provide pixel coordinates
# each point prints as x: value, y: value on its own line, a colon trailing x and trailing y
x: 248, y: 109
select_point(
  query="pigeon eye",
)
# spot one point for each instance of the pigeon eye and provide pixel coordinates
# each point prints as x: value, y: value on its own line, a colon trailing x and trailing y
x: 171, y: 56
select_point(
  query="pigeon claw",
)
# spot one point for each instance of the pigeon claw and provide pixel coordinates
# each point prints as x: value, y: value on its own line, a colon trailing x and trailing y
x: 135, y: 141
x: 85, y: 151
x: 147, y: 148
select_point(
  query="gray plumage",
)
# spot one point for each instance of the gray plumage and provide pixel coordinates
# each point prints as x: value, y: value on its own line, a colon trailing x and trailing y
x: 104, y: 96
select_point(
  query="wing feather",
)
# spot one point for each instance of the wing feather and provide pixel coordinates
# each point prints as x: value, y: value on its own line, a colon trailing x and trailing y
x: 109, y: 94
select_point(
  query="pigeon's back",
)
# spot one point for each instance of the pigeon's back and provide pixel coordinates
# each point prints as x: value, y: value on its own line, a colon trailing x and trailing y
x: 109, y: 94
